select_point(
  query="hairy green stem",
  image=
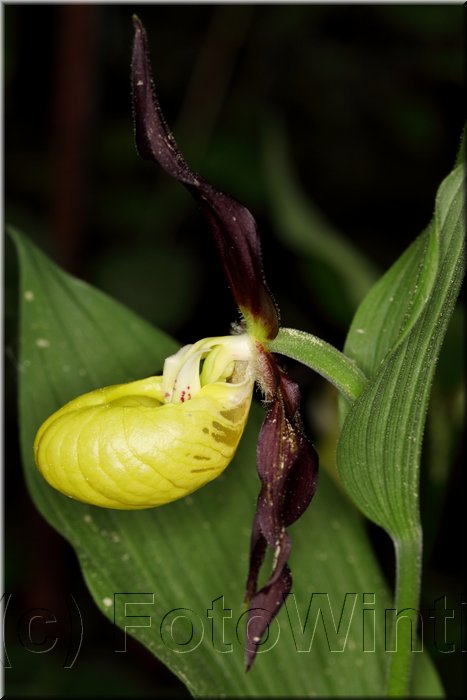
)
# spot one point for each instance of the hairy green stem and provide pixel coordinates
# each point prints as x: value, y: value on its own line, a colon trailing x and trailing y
x: 404, y: 640
x: 322, y: 358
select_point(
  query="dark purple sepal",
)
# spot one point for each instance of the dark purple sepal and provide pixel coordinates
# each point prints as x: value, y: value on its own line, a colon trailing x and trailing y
x: 262, y: 611
x: 232, y: 225
x: 288, y: 469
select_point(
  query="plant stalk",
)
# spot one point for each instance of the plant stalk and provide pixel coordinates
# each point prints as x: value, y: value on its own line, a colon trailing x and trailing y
x: 406, y: 603
x: 323, y: 358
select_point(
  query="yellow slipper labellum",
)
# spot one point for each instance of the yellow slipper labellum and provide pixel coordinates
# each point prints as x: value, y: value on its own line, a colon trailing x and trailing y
x: 155, y: 440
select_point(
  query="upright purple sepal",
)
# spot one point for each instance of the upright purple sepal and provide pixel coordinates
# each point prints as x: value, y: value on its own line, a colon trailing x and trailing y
x: 232, y: 225
x: 288, y: 469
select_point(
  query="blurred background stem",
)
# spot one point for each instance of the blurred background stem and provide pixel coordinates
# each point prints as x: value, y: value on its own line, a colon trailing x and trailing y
x: 73, y: 112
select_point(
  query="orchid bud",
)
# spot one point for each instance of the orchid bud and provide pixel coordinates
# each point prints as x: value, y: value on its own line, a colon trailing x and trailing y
x: 152, y: 441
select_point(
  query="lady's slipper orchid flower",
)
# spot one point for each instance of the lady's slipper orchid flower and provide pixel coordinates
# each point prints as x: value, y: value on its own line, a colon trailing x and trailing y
x: 287, y: 462
x: 155, y: 440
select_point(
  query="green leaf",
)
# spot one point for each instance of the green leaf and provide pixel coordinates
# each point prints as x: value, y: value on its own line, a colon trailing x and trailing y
x: 395, y: 338
x: 394, y: 304
x: 190, y: 553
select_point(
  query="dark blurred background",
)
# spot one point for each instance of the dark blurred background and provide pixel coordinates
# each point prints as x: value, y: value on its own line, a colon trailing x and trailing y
x: 366, y: 103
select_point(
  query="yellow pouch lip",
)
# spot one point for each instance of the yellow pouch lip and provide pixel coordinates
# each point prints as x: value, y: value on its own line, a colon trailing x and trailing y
x: 212, y: 420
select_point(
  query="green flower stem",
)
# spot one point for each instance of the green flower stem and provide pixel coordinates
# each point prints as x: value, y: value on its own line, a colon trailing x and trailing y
x: 322, y: 358
x: 407, y: 596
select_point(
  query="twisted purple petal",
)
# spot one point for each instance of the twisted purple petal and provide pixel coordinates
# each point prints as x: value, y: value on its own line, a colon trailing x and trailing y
x: 288, y: 469
x: 232, y: 225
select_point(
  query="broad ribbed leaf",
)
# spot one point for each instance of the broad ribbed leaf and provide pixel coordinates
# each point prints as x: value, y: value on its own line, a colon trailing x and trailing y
x: 394, y: 304
x: 191, y: 553
x: 395, y: 338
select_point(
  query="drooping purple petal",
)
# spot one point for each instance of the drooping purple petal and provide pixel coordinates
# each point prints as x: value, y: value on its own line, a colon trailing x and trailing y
x: 232, y: 225
x: 302, y: 477
x: 266, y: 605
x: 288, y: 469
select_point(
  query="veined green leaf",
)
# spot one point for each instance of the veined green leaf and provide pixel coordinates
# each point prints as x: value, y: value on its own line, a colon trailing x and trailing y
x: 395, y: 338
x: 181, y: 563
x: 394, y: 304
